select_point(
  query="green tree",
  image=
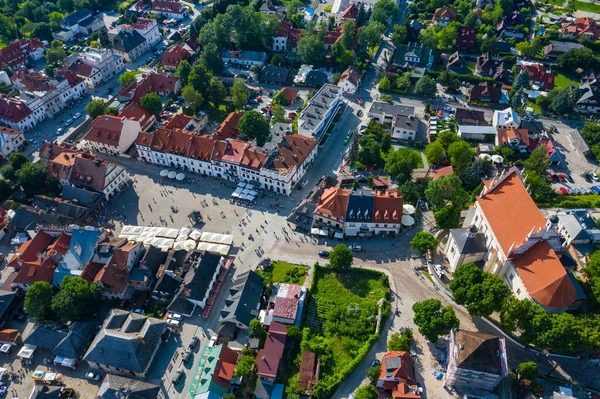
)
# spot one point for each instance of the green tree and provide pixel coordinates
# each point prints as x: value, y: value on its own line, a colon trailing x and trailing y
x: 341, y: 257
x: 211, y: 58
x: 482, y: 293
x: 434, y: 152
x: 583, y: 58
x: 348, y: 29
x: 400, y: 163
x: 563, y: 101
x: 384, y: 10
x: 369, y: 36
x: 17, y: 160
x: 245, y: 366
x: 386, y: 143
x: 423, y: 241
x: 447, y: 217
x: 8, y: 173
x: 366, y: 391
x: 537, y: 161
x: 373, y: 374
x: 55, y: 55
x: 294, y: 7
x: 400, y: 35
x: 522, y: 80
x: 540, y: 187
x: 527, y: 371
x: 257, y: 330
x: 152, y: 103
x: 370, y: 151
x: 183, y: 72
x: 446, y: 138
x: 433, y: 320
x: 38, y: 299
x: 460, y: 154
x: 128, y: 78
x: 310, y: 49
x: 425, y: 86
x: 96, y: 108
x: 239, y: 93
x: 32, y: 178
x: 76, y: 299
x: 385, y: 84
x: 199, y: 78
x: 446, y: 190
x: 398, y: 342
x: 216, y: 91
x: 478, y: 170
x: 193, y: 99
x: 254, y: 126
x: 403, y: 82
x: 5, y: 190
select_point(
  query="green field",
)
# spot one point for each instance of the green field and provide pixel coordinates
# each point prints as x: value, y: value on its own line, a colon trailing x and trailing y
x: 556, y: 2
x: 283, y: 272
x: 561, y: 81
x: 345, y: 304
x: 585, y: 6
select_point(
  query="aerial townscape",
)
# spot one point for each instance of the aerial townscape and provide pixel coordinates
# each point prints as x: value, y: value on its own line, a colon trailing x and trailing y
x: 285, y: 199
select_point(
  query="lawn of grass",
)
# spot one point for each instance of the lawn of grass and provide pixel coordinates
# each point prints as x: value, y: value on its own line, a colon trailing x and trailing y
x: 470, y: 66
x: 561, y: 81
x: 347, y: 304
x: 420, y: 165
x: 590, y: 7
x: 536, y: 108
x: 556, y: 2
x: 281, y: 270
x: 573, y: 201
x: 217, y: 114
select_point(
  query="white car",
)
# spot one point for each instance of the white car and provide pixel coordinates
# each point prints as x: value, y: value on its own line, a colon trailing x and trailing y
x: 595, y: 176
x: 355, y: 247
x: 92, y: 376
x: 77, y: 115
x: 175, y: 316
x: 438, y: 270
x: 447, y: 108
x: 59, y: 131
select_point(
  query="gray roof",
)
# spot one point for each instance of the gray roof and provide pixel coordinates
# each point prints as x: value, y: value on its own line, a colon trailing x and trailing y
x: 244, y: 298
x: 82, y: 197
x: 317, y: 106
x: 44, y: 336
x: 574, y: 225
x: 78, y: 338
x: 589, y: 94
x: 46, y: 392
x: 578, y: 141
x: 127, y: 341
x: 406, y: 122
x: 126, y: 41
x: 198, y: 282
x: 360, y: 206
x: 468, y: 244
x: 561, y: 47
x: 259, y: 56
x: 61, y: 207
x: 272, y: 73
x: 315, y: 78
x: 115, y: 386
x: 466, y: 129
x: 76, y: 17
x: 6, y: 299
x: 380, y: 108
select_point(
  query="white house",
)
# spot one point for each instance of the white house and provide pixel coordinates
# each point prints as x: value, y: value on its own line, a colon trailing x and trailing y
x: 320, y: 111
x: 170, y: 8
x: 112, y: 134
x: 11, y: 140
x: 404, y: 127
x: 350, y: 80
x: 507, y: 118
x: 98, y: 66
x: 477, y: 133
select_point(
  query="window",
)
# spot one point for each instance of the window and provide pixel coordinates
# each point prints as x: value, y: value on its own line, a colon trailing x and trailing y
x: 518, y: 291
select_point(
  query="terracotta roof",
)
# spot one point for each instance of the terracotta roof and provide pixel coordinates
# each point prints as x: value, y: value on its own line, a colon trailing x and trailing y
x: 143, y: 23
x: 106, y: 129
x: 153, y: 82
x: 284, y: 28
x: 228, y: 129
x: 16, y: 52
x: 293, y: 150
x: 91, y: 270
x: 253, y: 159
x: 581, y: 26
x: 445, y: 12
x: 170, y: 6
x: 537, y: 73
x: 402, y: 367
x: 177, y: 121
x: 225, y: 367
x: 288, y: 93
x: 388, y: 207
x: 174, y: 56
x: 201, y: 148
x: 136, y: 112
x: 71, y: 76
x: 334, y: 202
x: 309, y: 371
x: 352, y: 75
x: 33, y: 80
x: 50, y: 150
x: 39, y: 257
x: 229, y: 151
x: 9, y: 131
x: 445, y: 171
x: 179, y: 142
x: 89, y: 172
x: 509, y: 222
x: 268, y: 364
x: 294, y: 36
x: 9, y: 335
x: 351, y: 12
x: 505, y: 135
x: 287, y: 306
x: 12, y: 109
x: 545, y: 277
x: 331, y: 37
x: 113, y: 279
x: 82, y: 69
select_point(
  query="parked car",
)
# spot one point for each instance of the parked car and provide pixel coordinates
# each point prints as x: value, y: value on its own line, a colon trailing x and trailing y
x: 292, y: 115
x: 438, y: 270
x: 175, y: 316
x: 448, y: 108
x: 595, y: 176
x: 92, y: 376
x: 77, y: 115
x: 569, y: 177
x: 570, y: 191
x: 193, y: 342
x: 562, y: 177
x: 186, y: 356
x: 563, y: 191
x: 355, y: 247
x: 324, y: 254
x: 213, y: 341
x: 376, y: 363
x: 177, y: 376
x: 31, y: 141
x: 68, y: 122
x: 59, y: 131
x: 587, y: 177
x: 596, y: 189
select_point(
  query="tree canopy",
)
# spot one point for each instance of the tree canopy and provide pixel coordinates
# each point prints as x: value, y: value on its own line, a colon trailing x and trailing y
x: 366, y: 392
x: 32, y: 178
x: 446, y: 190
x: 460, y: 153
x: 38, y: 300
x: 239, y: 93
x: 76, y: 299
x: 310, y: 48
x: 400, y: 163
x: 152, y: 103
x: 192, y: 97
x: 254, y: 126
x: 482, y: 293
x: 434, y: 320
x: 127, y: 78
x: 434, y: 152
x: 96, y: 108
x: 340, y: 257
x: 527, y: 371
x: 423, y: 241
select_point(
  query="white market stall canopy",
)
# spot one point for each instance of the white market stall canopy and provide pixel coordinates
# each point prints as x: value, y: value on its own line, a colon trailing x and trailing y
x: 216, y: 238
x: 407, y: 221
x: 183, y: 238
x: 172, y: 175
x: 408, y: 209
x: 218, y: 249
x: 180, y: 177
x: 26, y: 351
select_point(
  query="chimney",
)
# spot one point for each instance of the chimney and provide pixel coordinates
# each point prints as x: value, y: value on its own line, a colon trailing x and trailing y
x: 141, y: 339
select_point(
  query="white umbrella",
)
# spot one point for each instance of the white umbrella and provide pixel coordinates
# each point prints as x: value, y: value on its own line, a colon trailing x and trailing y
x: 164, y: 173
x: 497, y: 159
x: 407, y: 221
x: 485, y: 156
x: 408, y: 209
x: 195, y: 234
x: 180, y: 176
x: 172, y: 175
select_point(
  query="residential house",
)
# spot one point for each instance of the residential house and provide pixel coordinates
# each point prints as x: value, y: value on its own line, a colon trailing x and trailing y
x: 274, y: 75
x: 511, y: 25
x: 19, y: 52
x: 581, y: 27
x: 243, y: 303
x: 538, y: 75
x: 467, y: 246
x: 384, y: 113
x: 413, y: 56
x: 170, y: 8
x: 470, y: 117
x: 130, y: 45
x: 517, y: 139
x: 405, y: 127
x: 288, y: 95
x: 577, y: 226
x: 397, y: 376
x: 80, y: 23
x: 332, y: 207
x: 112, y: 134
x: 244, y: 58
x: 11, y: 140
x: 555, y: 49
x: 443, y: 16
x: 477, y: 133
x: 350, y: 80
x: 228, y: 129
x: 64, y: 208
x: 174, y: 56
x: 269, y: 358
x: 422, y: 174
x: 456, y: 64
x: 184, y: 122
x: 288, y: 303
x: 136, y: 113
x: 280, y: 40
x: 126, y: 344
x: 148, y: 28
x: 350, y: 13
x: 315, y: 79
x: 485, y: 92
x: 578, y: 142
x: 331, y: 37
x: 162, y: 84
x: 467, y: 38
x: 114, y: 386
x: 81, y: 250
x: 97, y: 66
x: 507, y: 118
x: 214, y: 374
x: 320, y: 111
x: 589, y: 98
x: 487, y: 65
x: 521, y: 249
x: 268, y: 8
x: 67, y: 346
x: 476, y: 361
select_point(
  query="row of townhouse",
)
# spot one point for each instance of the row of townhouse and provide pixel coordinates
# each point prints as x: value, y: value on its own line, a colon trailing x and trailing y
x: 40, y: 97
x: 278, y: 170
x: 21, y: 51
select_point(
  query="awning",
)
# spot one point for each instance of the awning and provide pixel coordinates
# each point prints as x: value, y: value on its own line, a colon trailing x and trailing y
x: 26, y: 351
x: 318, y: 232
x: 338, y: 235
x: 408, y: 209
x: 407, y: 220
x: 65, y: 361
x: 5, y: 348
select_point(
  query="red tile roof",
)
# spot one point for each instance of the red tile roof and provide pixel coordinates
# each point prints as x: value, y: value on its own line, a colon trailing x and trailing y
x: 177, y: 122
x: 106, y: 129
x: 545, y: 277
x: 581, y: 27
x: 201, y: 148
x: 174, y: 56
x: 284, y: 28
x: 445, y: 171
x: 229, y: 151
x: 309, y: 371
x: 16, y: 53
x: 82, y: 69
x: 537, y: 73
x: 136, y: 112
x: 228, y: 129
x: 170, y: 6
x: 331, y: 37
x: 113, y: 279
x: 225, y: 367
x: 388, y: 207
x: 71, y: 76
x: 293, y: 150
x: 350, y: 13
x: 294, y: 36
x: 404, y: 371
x: 445, y: 12
x: 88, y: 172
x: 505, y: 135
x: 334, y: 202
x: 253, y: 159
x: 32, y: 80
x: 287, y: 307
x: 351, y: 74
x: 268, y: 364
x: 153, y: 82
x: 13, y: 110
x: 289, y: 94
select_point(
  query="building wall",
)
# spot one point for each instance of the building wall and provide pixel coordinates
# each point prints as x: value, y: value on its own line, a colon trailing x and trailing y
x: 347, y: 87
x: 404, y: 134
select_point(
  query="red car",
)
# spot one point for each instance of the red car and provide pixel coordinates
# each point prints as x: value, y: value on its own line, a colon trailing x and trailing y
x: 440, y: 113
x: 563, y: 191
x: 562, y: 177
x: 292, y: 115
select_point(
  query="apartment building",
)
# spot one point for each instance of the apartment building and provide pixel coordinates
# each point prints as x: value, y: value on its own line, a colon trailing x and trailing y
x: 320, y: 111
x: 112, y: 134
